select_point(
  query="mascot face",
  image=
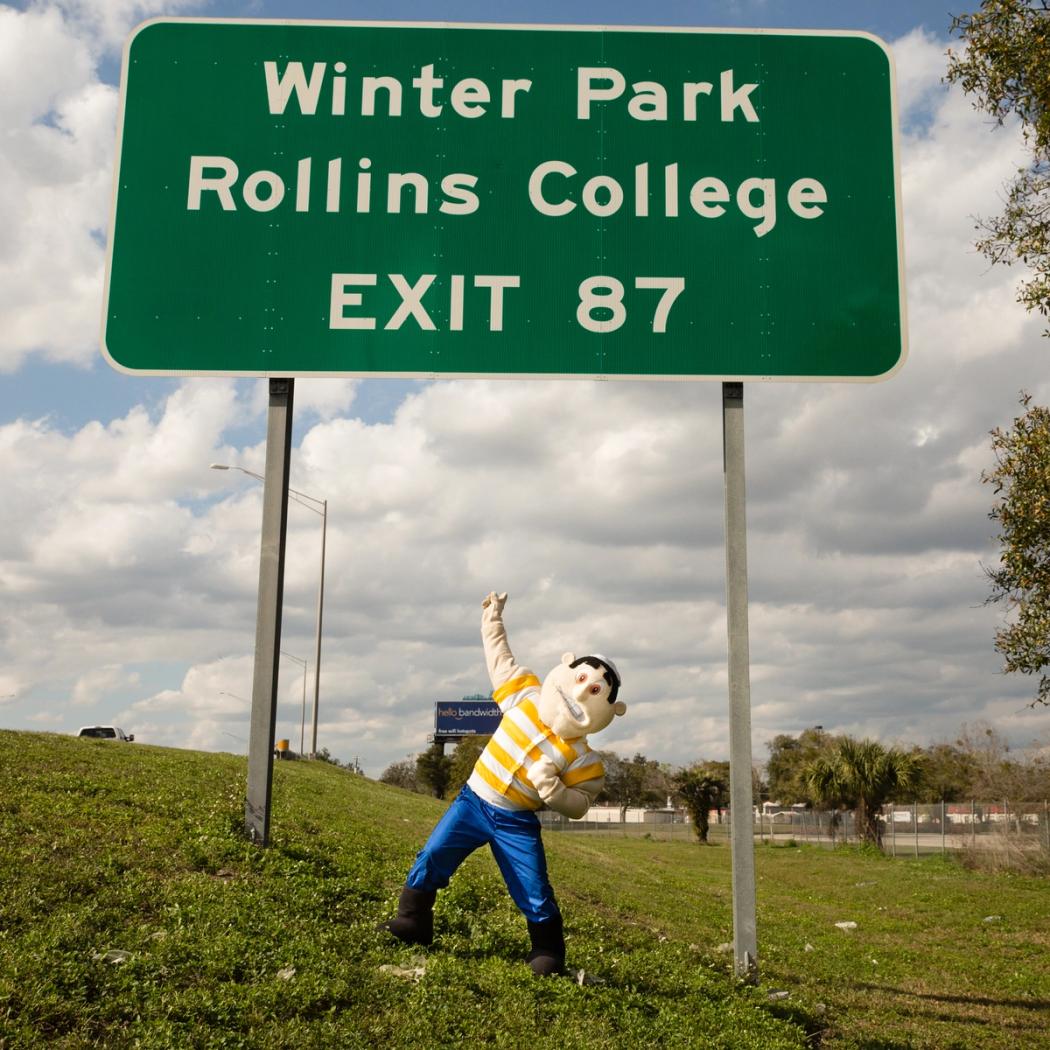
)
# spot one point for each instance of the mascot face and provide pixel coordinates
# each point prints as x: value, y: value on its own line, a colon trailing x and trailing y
x: 574, y: 701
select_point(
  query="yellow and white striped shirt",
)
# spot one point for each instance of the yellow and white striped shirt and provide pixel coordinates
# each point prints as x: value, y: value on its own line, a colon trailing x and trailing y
x: 501, y: 774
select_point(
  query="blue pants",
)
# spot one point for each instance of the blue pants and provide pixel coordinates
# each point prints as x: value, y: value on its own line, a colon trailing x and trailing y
x: 514, y: 838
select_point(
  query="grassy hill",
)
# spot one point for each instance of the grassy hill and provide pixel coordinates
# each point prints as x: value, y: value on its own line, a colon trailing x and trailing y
x: 134, y: 913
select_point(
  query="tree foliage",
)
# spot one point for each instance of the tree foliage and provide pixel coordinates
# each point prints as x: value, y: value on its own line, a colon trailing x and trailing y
x: 1002, y: 772
x: 464, y: 757
x: 862, y: 775
x: 948, y: 775
x: 1021, y: 483
x: 401, y: 774
x: 702, y: 787
x: 1005, y: 67
x: 637, y: 781
x: 433, y: 770
x: 324, y: 755
x: 978, y: 763
x: 788, y: 758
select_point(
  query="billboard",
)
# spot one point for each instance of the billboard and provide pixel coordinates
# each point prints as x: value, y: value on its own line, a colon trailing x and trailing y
x: 476, y: 716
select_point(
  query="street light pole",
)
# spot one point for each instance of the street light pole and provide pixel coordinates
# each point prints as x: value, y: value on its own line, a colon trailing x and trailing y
x: 300, y: 497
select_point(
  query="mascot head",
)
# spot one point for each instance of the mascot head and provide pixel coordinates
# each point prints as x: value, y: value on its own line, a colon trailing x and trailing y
x: 579, y: 696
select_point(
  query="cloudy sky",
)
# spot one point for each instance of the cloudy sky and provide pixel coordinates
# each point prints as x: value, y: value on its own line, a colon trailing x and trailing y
x: 129, y: 569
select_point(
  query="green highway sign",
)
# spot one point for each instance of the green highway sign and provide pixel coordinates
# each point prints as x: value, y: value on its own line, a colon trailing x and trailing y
x: 316, y: 198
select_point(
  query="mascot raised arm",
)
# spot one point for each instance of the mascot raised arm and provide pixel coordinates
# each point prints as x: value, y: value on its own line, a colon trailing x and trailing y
x: 538, y: 757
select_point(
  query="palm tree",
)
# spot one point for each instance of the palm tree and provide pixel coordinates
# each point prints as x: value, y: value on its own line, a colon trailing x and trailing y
x: 862, y: 775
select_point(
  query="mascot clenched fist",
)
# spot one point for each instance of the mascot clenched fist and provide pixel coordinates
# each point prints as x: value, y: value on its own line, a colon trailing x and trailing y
x: 538, y: 757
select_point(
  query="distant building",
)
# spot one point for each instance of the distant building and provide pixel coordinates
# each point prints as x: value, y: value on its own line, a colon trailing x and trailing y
x: 636, y: 815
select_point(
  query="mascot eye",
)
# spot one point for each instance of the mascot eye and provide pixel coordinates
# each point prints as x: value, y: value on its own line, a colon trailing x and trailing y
x: 595, y: 690
x: 582, y: 676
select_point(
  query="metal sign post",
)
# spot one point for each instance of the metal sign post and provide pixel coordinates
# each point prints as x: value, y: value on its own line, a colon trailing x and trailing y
x: 745, y: 938
x: 268, y: 617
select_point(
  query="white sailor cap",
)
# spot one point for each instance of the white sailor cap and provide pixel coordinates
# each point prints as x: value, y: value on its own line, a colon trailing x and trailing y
x: 609, y: 664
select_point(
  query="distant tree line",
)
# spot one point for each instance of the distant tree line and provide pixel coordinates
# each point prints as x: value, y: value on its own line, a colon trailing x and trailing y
x: 814, y: 769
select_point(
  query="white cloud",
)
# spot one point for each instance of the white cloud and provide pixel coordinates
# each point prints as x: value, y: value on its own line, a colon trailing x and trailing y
x: 326, y: 398
x: 919, y: 60
x: 56, y: 172
x: 219, y: 687
x: 91, y: 688
x: 108, y: 22
x: 54, y: 188
x: 47, y: 718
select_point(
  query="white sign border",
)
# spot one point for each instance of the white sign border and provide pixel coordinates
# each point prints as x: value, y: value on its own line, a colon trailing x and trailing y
x: 433, y: 376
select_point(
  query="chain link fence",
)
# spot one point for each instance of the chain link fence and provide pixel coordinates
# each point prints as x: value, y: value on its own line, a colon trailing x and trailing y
x: 919, y: 829
x: 912, y: 830
x: 665, y: 824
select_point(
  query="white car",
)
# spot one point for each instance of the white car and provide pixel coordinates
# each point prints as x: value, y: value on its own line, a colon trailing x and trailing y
x: 106, y: 733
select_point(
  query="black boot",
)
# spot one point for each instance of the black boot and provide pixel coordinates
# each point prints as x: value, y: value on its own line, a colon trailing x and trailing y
x: 548, y: 947
x: 414, y: 923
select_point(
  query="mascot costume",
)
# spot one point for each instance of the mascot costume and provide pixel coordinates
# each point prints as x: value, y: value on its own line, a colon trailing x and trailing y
x: 537, y: 757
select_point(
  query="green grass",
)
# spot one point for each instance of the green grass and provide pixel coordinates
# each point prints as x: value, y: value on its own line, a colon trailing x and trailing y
x: 109, y: 848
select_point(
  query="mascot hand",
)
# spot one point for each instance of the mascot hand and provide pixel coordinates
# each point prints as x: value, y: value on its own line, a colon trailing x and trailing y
x: 493, y: 605
x: 544, y: 776
x: 569, y: 802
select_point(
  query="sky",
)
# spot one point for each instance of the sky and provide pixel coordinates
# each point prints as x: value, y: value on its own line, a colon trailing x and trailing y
x: 129, y: 569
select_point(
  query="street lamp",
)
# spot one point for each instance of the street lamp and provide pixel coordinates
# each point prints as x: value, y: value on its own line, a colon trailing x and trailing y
x: 301, y: 498
x: 302, y: 725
